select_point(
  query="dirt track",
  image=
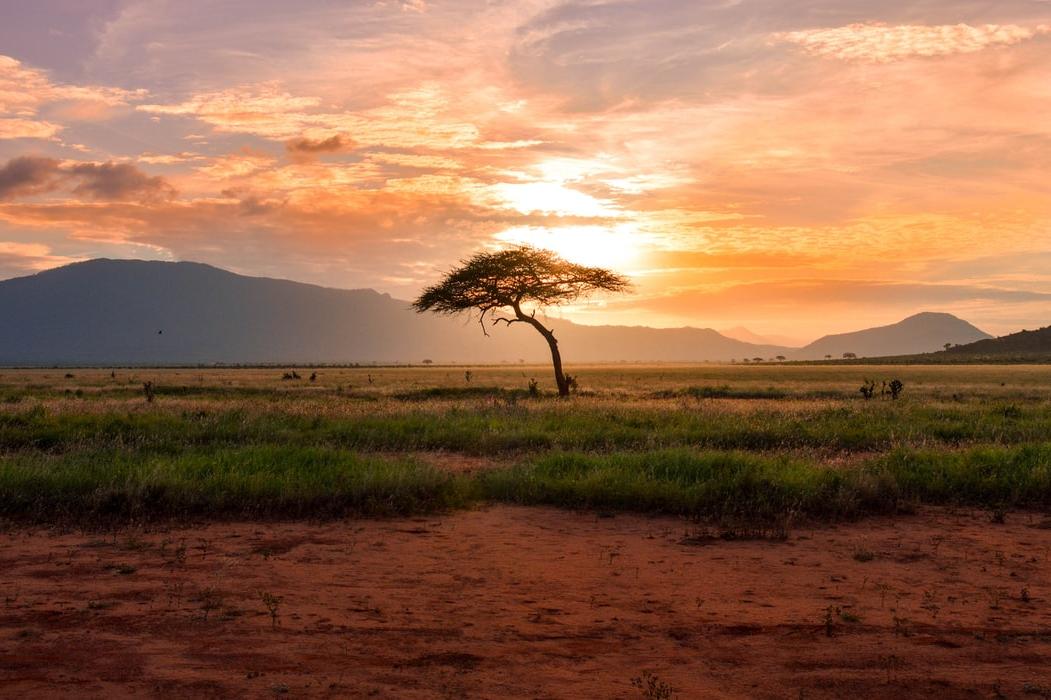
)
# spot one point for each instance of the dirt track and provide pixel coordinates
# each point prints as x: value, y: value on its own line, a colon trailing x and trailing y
x: 517, y: 602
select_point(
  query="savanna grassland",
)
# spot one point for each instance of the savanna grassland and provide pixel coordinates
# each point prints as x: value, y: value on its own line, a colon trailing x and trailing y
x: 668, y: 531
x: 760, y: 442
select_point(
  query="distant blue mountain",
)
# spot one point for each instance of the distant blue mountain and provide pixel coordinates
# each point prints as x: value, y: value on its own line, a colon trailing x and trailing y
x: 112, y: 312
x: 924, y: 332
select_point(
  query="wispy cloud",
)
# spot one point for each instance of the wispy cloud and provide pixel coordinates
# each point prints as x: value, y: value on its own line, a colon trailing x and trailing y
x: 882, y: 43
x: 702, y: 147
x: 25, y: 92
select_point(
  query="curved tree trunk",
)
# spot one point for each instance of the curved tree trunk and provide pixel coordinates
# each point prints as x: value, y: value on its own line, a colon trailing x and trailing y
x: 552, y: 342
x: 556, y: 360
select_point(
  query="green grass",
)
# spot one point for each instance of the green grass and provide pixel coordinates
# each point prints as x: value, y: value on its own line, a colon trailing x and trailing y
x: 244, y: 482
x: 324, y: 483
x: 736, y: 443
x: 485, y: 428
x: 741, y: 485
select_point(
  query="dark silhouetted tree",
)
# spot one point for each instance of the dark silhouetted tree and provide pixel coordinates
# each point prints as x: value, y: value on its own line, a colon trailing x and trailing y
x: 850, y: 356
x: 507, y: 281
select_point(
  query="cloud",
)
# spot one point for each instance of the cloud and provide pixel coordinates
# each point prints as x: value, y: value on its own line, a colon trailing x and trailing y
x: 882, y: 43
x: 423, y: 116
x: 118, y: 181
x: 32, y: 175
x: 814, y: 294
x: 26, y: 92
x: 266, y: 110
x: 24, y: 258
x: 27, y: 129
x: 28, y: 175
x: 304, y: 149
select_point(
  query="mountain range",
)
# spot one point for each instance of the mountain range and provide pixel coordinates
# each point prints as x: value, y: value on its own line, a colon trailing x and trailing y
x: 114, y: 312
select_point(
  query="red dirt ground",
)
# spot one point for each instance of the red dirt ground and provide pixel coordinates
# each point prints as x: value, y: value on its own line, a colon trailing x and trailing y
x: 530, y: 603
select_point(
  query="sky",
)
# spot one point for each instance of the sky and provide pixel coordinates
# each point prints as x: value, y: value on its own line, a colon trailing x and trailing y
x: 795, y: 167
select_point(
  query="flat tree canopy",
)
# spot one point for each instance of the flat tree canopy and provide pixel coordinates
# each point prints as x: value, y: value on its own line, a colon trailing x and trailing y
x: 494, y: 284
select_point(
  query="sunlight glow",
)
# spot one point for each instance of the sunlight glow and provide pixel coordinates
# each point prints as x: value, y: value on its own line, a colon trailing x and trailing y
x: 616, y: 248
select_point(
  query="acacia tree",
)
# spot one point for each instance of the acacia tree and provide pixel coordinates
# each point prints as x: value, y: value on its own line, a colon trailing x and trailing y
x: 498, y: 285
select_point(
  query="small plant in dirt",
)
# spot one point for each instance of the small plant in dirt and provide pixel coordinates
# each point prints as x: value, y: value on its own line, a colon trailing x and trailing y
x: 995, y: 595
x: 890, y: 663
x: 831, y: 613
x: 863, y: 555
x: 930, y: 604
x: 100, y: 604
x: 998, y: 515
x: 210, y: 599
x: 174, y: 591
x: 1024, y: 595
x: 901, y: 627
x: 652, y: 687
x: 1043, y: 691
x: 179, y: 555
x: 850, y: 617
x: 272, y: 604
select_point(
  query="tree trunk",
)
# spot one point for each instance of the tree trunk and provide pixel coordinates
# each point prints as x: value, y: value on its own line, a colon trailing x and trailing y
x: 556, y: 360
x: 552, y: 342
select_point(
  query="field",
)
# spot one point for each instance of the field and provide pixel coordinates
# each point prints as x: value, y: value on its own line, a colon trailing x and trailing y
x: 441, y: 531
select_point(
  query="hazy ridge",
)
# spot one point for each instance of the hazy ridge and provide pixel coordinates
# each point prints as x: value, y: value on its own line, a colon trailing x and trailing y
x: 146, y: 312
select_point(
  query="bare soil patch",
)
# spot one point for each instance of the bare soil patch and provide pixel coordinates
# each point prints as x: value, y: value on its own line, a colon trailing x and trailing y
x: 529, y: 603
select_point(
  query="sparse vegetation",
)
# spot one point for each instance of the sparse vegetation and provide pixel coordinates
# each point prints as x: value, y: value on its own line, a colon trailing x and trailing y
x: 652, y: 687
x: 722, y: 443
x: 272, y: 604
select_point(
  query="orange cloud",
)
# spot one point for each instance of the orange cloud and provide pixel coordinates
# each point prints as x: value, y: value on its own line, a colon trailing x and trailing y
x: 25, y: 92
x: 701, y: 147
x: 883, y: 43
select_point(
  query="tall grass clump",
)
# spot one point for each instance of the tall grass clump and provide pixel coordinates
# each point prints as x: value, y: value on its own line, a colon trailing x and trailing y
x: 245, y: 482
x: 1018, y: 476
x: 697, y: 484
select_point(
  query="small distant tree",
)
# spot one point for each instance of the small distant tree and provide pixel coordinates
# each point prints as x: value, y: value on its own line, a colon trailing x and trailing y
x: 428, y: 362
x: 828, y: 357
x: 505, y: 282
x: 757, y: 359
x: 849, y: 356
x: 947, y: 346
x: 780, y: 358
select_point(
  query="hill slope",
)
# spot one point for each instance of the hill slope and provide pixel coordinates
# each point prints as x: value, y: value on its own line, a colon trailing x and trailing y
x: 921, y: 333
x: 138, y: 312
x: 1020, y: 345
